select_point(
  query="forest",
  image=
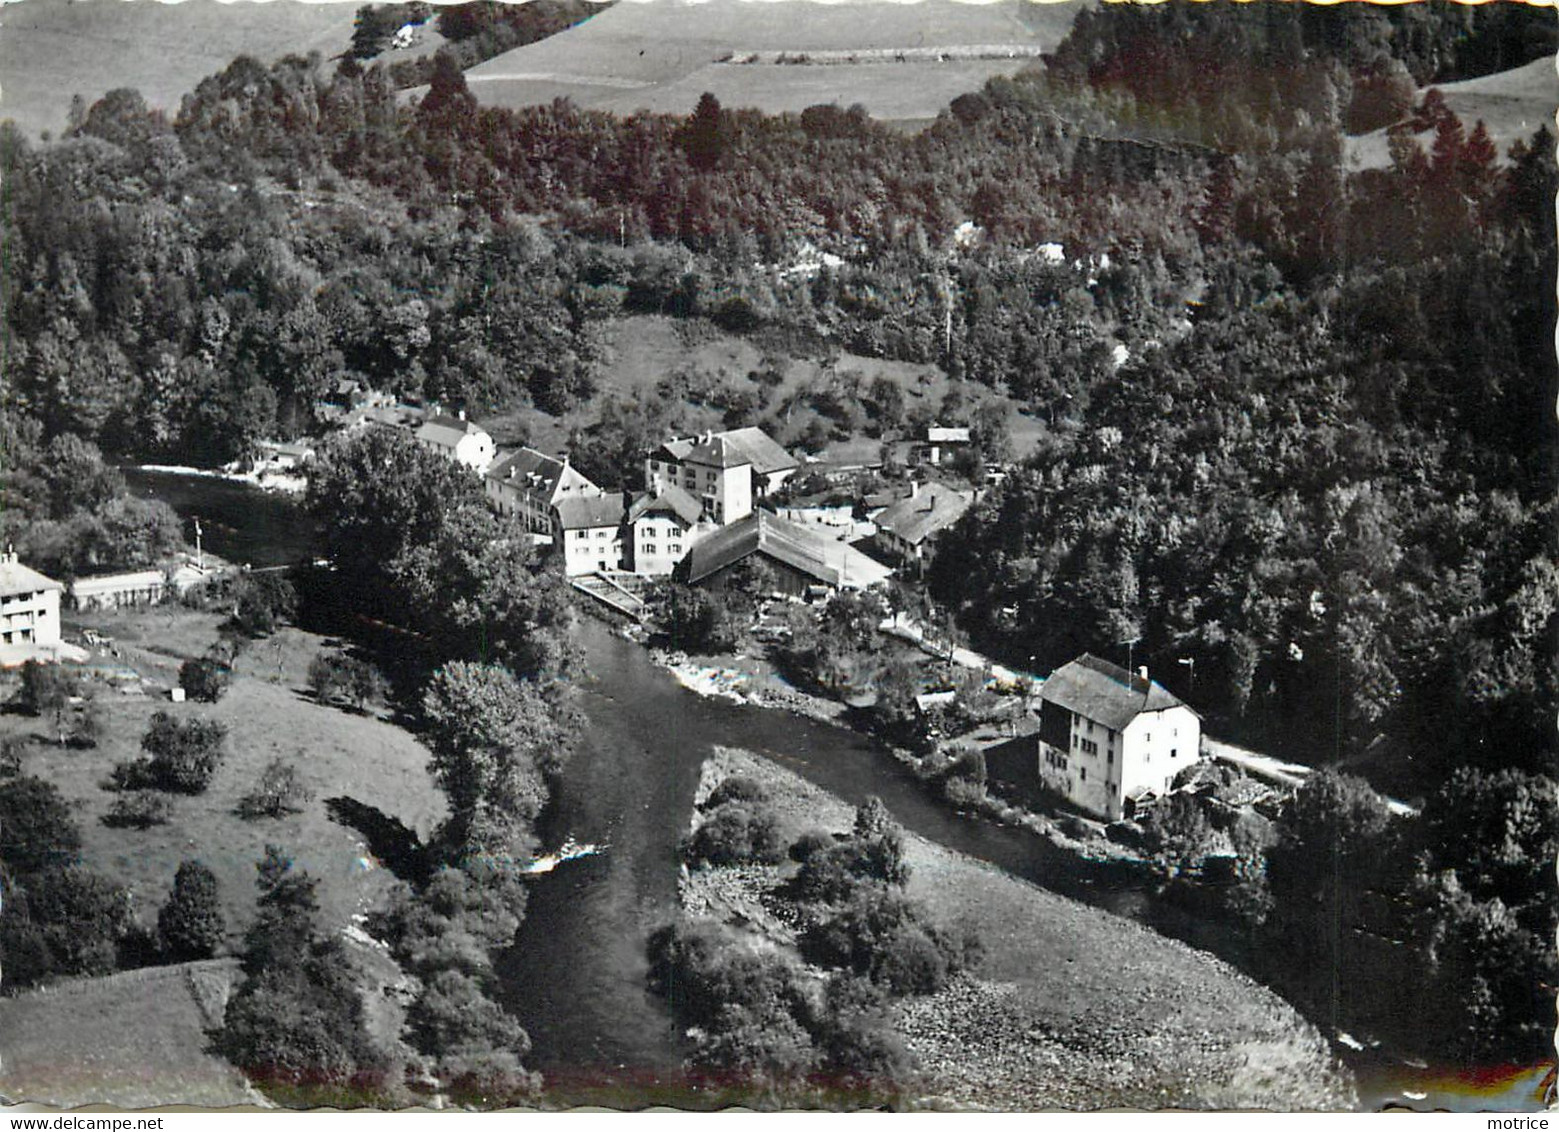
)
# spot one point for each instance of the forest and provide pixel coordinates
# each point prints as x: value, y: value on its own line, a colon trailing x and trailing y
x: 1323, y: 474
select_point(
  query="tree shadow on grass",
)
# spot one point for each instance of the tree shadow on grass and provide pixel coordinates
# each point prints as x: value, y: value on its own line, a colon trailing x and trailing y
x: 389, y: 839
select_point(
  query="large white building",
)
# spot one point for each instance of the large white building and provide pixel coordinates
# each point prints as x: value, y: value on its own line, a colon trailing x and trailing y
x: 1110, y: 739
x: 29, y: 613
x: 530, y: 485
x: 725, y: 471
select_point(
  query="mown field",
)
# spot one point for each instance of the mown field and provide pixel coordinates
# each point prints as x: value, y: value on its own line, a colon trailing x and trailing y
x: 661, y: 54
x: 53, y: 49
x: 1072, y: 1007
x: 130, y: 1040
x: 1511, y: 104
x: 268, y: 716
x: 913, y: 91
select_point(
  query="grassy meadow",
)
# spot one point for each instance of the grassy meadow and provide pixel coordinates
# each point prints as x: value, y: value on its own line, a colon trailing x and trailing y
x: 131, y: 1040
x: 1511, y: 104
x: 268, y: 715
x: 53, y: 49
x: 662, y: 54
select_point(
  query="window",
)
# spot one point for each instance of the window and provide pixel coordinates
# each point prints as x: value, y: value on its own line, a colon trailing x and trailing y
x: 1171, y: 752
x: 1147, y: 737
x: 1083, y: 774
x: 1112, y: 758
x: 1089, y: 747
x: 1090, y: 727
x: 649, y: 548
x: 674, y: 548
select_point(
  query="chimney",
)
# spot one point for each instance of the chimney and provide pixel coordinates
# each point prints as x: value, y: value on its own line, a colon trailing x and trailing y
x: 462, y: 414
x: 1142, y: 674
x: 914, y: 489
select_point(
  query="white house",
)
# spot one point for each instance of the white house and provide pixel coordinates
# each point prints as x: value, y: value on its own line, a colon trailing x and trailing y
x: 661, y: 528
x: 531, y: 484
x: 589, y: 530
x: 29, y: 613
x: 725, y: 471
x: 1109, y: 740
x: 457, y: 439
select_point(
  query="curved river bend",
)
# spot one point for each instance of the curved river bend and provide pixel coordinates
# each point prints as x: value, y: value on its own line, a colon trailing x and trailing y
x: 576, y: 975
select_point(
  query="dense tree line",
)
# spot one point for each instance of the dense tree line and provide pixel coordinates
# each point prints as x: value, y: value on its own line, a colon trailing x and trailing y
x: 1433, y: 932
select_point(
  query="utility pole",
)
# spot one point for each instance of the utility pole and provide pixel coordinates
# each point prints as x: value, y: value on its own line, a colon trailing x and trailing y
x: 200, y: 557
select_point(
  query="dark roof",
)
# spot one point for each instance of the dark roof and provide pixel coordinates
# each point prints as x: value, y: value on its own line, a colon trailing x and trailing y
x: 731, y: 450
x: 670, y: 498
x: 1105, y: 693
x: 538, y: 475
x: 581, y: 512
x: 922, y: 515
x: 830, y: 562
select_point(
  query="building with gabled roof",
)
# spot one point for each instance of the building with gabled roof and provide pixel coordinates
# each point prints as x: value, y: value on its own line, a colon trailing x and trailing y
x: 588, y: 528
x: 457, y: 439
x: 907, y: 527
x: 29, y: 613
x: 725, y: 471
x: 799, y: 555
x: 1109, y: 739
x: 660, y: 528
x: 940, y: 442
x: 529, y: 484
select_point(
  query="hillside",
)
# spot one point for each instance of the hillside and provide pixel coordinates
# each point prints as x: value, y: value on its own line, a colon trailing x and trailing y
x: 53, y: 49
x: 268, y: 718
x: 130, y: 1040
x: 1512, y: 104
x: 1071, y: 1008
x: 902, y: 60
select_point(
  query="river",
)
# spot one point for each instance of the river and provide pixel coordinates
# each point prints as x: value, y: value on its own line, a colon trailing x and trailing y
x: 575, y: 976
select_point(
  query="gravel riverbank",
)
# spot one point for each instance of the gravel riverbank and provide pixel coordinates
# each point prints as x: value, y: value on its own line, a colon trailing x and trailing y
x: 1072, y: 1007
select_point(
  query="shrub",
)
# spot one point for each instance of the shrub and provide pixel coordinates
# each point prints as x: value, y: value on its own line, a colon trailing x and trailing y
x: 184, y: 755
x: 204, y: 679
x: 138, y: 809
x: 190, y: 925
x: 36, y: 827
x: 813, y: 841
x: 737, y: 833
x: 279, y: 792
x: 737, y: 788
x: 751, y: 1009
x: 963, y: 793
x: 264, y: 602
x: 86, y: 726
x: 77, y: 919
x: 886, y: 938
x: 13, y: 753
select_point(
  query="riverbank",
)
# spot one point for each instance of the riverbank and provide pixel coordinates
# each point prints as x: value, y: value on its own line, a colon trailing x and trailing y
x: 1071, y: 1008
x: 752, y: 681
x: 283, y: 483
x: 746, y: 680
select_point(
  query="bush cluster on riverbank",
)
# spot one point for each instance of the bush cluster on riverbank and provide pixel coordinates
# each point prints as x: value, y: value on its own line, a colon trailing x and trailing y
x: 1070, y: 1006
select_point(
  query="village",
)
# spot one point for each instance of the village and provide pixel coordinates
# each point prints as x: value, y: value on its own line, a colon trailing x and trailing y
x: 1083, y: 755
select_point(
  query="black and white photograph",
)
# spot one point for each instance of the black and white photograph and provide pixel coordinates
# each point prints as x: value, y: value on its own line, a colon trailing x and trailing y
x: 897, y: 555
